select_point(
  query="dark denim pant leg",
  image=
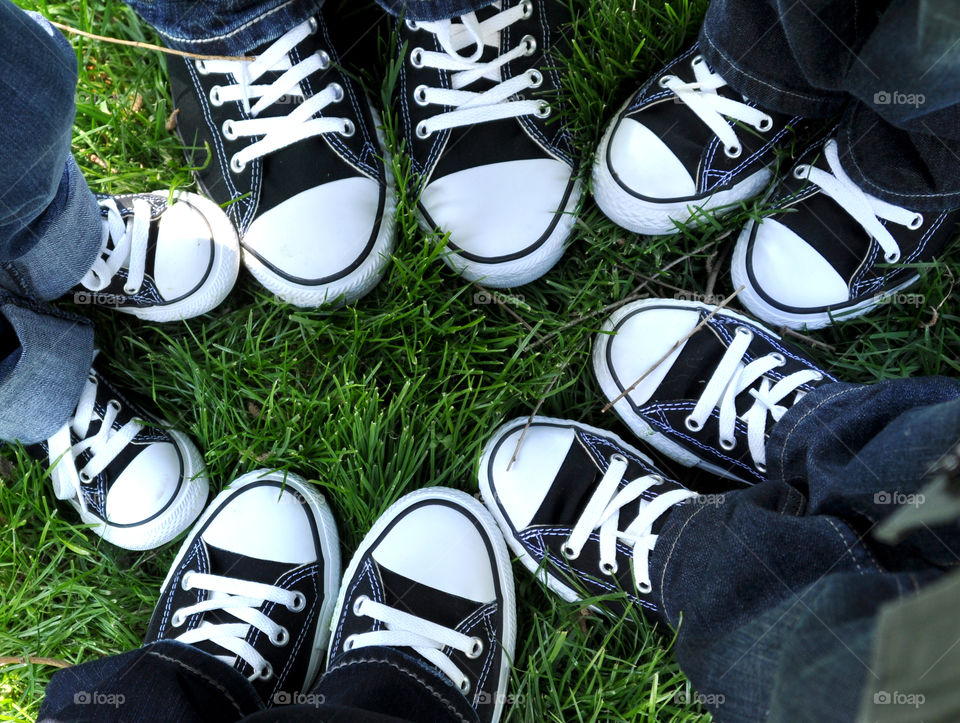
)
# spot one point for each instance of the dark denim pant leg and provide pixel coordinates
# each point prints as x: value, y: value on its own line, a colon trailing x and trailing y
x: 775, y: 589
x: 49, y: 220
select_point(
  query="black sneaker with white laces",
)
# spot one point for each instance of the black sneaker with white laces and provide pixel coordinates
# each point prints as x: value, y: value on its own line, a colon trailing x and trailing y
x: 685, y: 143
x: 433, y: 579
x: 161, y: 258
x: 831, y: 251
x: 138, y: 484
x: 296, y: 158
x: 475, y: 95
x: 255, y: 582
x: 713, y: 401
x: 580, y: 507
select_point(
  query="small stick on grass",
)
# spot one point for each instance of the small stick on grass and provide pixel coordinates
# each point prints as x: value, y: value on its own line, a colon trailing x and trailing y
x: 31, y: 660
x: 145, y: 46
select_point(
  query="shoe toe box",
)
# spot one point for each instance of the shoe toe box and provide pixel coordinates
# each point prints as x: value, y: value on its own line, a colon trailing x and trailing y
x: 645, y: 165
x: 147, y: 485
x: 184, y: 253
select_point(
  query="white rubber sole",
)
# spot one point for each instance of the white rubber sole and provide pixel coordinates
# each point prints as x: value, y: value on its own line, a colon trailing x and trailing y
x: 660, y: 218
x: 611, y: 389
x: 540, y: 571
x: 223, y: 272
x: 752, y: 299
x: 507, y: 274
x: 501, y: 557
x: 174, y: 520
x: 329, y: 549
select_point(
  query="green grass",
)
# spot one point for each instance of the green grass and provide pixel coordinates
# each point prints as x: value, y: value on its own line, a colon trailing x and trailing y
x: 399, y: 391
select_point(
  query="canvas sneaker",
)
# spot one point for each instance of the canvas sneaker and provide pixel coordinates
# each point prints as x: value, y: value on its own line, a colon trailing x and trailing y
x: 580, y: 507
x: 163, y: 256
x: 831, y: 251
x: 296, y: 158
x: 714, y: 400
x: 476, y: 96
x: 137, y: 483
x: 433, y: 578
x: 255, y: 581
x: 684, y: 144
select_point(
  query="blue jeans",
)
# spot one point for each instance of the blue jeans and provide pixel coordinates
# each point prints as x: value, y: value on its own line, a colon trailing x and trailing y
x: 369, y: 685
x: 779, y: 585
x: 890, y: 67
x: 49, y: 230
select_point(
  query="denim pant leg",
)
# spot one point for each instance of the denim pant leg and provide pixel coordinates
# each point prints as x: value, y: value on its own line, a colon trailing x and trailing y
x: 49, y: 220
x: 45, y: 356
x: 776, y: 589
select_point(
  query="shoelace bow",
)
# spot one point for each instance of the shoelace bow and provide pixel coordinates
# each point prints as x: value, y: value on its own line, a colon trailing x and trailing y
x: 713, y: 109
x: 476, y: 107
x: 731, y: 378
x: 130, y: 238
x: 602, y: 513
x: 865, y: 209
x: 240, y: 598
x: 104, y: 446
x: 426, y: 638
x: 281, y: 131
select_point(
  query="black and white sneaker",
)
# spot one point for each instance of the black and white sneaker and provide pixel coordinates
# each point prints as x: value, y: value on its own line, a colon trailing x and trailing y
x: 255, y: 582
x: 832, y: 251
x: 713, y: 401
x: 684, y: 144
x: 433, y: 577
x: 580, y: 507
x: 139, y: 484
x: 494, y: 173
x: 162, y: 260
x: 295, y: 150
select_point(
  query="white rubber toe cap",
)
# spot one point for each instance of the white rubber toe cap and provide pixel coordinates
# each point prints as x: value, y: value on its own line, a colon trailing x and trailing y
x: 439, y: 546
x: 791, y: 272
x: 184, y: 250
x: 319, y: 233
x: 522, y: 488
x: 645, y: 165
x: 498, y: 209
x: 145, y: 486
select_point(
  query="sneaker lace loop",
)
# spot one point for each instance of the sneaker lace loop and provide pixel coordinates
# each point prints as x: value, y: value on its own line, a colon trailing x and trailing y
x: 241, y: 598
x: 602, y: 513
x: 130, y: 238
x: 476, y: 107
x: 865, y: 209
x: 429, y: 639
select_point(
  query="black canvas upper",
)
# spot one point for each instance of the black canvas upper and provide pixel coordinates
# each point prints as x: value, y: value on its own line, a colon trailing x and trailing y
x: 681, y: 388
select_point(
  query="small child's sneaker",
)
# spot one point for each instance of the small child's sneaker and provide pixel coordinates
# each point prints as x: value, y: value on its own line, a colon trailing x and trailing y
x: 832, y: 251
x: 711, y: 402
x: 161, y: 258
x: 580, y: 507
x: 686, y: 143
x: 139, y: 484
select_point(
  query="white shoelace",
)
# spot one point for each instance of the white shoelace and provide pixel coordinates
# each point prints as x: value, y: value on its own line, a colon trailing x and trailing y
x: 240, y: 598
x: 282, y: 131
x: 406, y: 630
x: 603, y: 513
x: 712, y: 108
x: 471, y: 107
x: 104, y: 446
x: 731, y: 378
x: 129, y: 250
x: 865, y: 209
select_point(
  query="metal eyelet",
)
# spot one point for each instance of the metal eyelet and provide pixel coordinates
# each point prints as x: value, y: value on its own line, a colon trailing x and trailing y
x: 608, y: 568
x: 324, y: 59
x: 201, y: 67
x: 420, y: 95
x: 697, y: 59
x: 283, y: 637
x: 114, y: 405
x: 526, y: 9
x: 780, y: 358
x: 299, y: 602
x: 236, y: 165
x: 84, y: 477
x: 228, y: 131
x: 536, y: 78
x: 358, y: 603
x: 529, y: 44
x: 765, y: 124
x: 215, y: 99
x: 800, y: 172
x: 130, y: 290
x: 92, y: 378
x: 337, y: 92
x: 761, y: 467
x: 916, y: 223
x: 348, y: 128
x: 666, y: 79
x: 349, y: 642
x: 176, y: 620
x: 416, y: 57
x: 465, y: 687
x: 818, y: 378
x: 745, y: 331
x: 422, y: 131
x: 617, y: 457
x: 568, y: 552
x: 733, y: 151
x: 412, y: 25
x: 314, y: 25
x: 266, y: 673
x: 728, y: 444
x: 692, y: 424
x: 892, y: 258
x: 477, y: 650
x: 544, y: 110
x: 644, y: 587
x: 185, y: 581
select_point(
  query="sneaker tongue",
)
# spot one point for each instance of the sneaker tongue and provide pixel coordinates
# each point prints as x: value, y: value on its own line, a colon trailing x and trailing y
x: 425, y: 602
